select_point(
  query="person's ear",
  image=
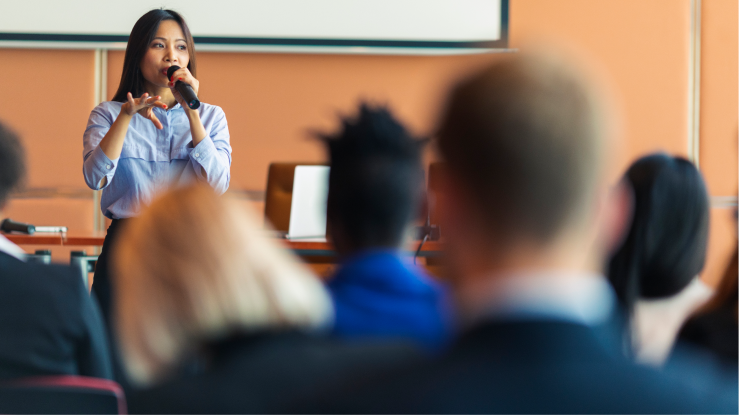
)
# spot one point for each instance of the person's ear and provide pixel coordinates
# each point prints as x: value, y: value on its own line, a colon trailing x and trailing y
x: 618, y: 213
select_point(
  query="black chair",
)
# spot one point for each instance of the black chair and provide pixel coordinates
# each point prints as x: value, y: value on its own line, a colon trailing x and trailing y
x: 61, y: 395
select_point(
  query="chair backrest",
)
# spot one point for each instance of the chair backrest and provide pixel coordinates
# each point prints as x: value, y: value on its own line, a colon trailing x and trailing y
x: 279, y: 194
x: 433, y: 189
x: 61, y: 395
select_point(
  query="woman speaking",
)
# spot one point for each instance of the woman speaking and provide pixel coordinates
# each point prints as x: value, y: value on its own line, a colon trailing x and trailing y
x: 147, y: 139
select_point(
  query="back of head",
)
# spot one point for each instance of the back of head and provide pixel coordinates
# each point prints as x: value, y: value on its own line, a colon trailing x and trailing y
x: 375, y: 181
x: 524, y: 139
x: 193, y: 268
x: 12, y: 164
x: 665, y: 248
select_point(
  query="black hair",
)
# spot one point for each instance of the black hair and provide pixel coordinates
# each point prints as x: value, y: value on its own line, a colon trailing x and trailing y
x: 143, y: 32
x: 666, y: 244
x: 12, y: 164
x: 376, y: 179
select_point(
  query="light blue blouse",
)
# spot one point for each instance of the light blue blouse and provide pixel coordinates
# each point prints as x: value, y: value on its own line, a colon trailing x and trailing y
x: 153, y: 160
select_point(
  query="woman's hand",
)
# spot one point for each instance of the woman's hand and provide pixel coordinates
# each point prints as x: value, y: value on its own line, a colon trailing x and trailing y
x: 184, y: 75
x: 144, y: 106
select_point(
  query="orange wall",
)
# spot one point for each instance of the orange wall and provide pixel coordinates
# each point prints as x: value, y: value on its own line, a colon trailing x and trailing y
x: 641, y: 46
x: 47, y: 96
x: 271, y: 100
x: 719, y: 122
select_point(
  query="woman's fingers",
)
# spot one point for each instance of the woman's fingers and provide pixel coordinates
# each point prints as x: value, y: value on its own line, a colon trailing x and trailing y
x: 131, y: 109
x: 153, y: 117
x: 184, y: 75
x: 142, y: 99
x: 144, y: 105
x: 180, y: 73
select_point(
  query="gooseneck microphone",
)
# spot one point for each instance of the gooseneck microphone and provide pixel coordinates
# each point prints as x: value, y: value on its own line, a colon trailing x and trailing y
x: 184, y: 89
x: 9, y: 226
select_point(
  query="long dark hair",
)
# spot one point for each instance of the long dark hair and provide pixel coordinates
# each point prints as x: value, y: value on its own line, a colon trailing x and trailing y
x: 666, y: 245
x: 143, y: 32
x: 727, y: 292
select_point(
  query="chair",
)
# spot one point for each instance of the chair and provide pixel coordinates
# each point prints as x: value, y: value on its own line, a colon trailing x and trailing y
x: 279, y: 194
x: 61, y: 395
x: 435, y: 170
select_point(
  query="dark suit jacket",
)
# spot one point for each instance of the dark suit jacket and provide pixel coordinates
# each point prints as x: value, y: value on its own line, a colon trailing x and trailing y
x: 716, y: 331
x: 49, y: 325
x: 529, y: 367
x: 269, y: 373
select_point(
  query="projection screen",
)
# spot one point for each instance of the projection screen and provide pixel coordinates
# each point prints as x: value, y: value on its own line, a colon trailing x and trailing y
x: 303, y: 26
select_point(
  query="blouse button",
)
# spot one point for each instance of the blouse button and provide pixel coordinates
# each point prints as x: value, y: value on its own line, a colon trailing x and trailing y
x: 107, y: 166
x: 197, y: 154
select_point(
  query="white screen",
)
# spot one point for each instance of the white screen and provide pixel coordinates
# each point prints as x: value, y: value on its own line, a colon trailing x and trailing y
x: 379, y: 20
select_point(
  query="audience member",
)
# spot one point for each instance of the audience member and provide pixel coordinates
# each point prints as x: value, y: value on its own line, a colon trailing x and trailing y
x: 375, y: 187
x: 214, y: 318
x: 715, y: 327
x: 655, y: 271
x: 528, y: 220
x: 49, y: 325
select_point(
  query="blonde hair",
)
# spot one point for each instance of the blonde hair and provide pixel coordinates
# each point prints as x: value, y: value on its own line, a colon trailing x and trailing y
x: 193, y: 267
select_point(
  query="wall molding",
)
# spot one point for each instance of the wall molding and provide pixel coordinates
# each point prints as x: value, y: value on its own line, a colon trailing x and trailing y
x: 101, y: 92
x: 694, y: 83
x: 723, y: 202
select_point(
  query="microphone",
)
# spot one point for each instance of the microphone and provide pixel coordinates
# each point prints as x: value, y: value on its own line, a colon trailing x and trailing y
x: 8, y: 226
x: 184, y: 89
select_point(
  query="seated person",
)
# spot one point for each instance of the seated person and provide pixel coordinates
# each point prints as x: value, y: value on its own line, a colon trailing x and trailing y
x: 375, y: 187
x: 529, y: 218
x: 49, y: 324
x: 214, y: 318
x: 655, y: 272
x: 715, y: 326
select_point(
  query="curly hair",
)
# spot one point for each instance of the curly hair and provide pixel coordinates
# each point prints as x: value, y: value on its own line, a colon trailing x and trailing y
x: 376, y: 177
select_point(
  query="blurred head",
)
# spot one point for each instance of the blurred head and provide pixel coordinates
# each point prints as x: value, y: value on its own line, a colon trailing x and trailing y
x: 12, y: 164
x: 665, y: 248
x: 725, y: 297
x: 193, y: 268
x: 375, y: 183
x: 143, y: 44
x: 523, y: 142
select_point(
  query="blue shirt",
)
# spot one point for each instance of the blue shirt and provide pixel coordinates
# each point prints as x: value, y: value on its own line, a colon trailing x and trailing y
x: 154, y: 160
x: 376, y: 294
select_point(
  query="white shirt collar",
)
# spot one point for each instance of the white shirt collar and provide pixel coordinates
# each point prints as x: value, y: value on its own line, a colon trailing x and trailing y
x: 541, y: 295
x: 11, y: 249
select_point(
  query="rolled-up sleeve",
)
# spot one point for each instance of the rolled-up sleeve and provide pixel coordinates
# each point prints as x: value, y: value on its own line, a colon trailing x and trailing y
x: 97, y: 165
x: 211, y: 158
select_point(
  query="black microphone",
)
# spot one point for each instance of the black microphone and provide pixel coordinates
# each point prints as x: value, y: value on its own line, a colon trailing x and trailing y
x: 184, y: 89
x: 8, y: 226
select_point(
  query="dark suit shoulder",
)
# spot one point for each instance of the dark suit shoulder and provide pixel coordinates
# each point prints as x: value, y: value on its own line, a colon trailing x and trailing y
x: 528, y: 367
x: 270, y: 373
x: 47, y: 322
x: 51, y: 286
x: 715, y: 331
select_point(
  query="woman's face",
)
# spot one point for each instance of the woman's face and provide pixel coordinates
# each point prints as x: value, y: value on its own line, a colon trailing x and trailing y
x: 166, y: 49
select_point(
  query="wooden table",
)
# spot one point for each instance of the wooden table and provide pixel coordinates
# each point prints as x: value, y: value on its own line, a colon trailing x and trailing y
x: 301, y: 248
x: 320, y: 257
